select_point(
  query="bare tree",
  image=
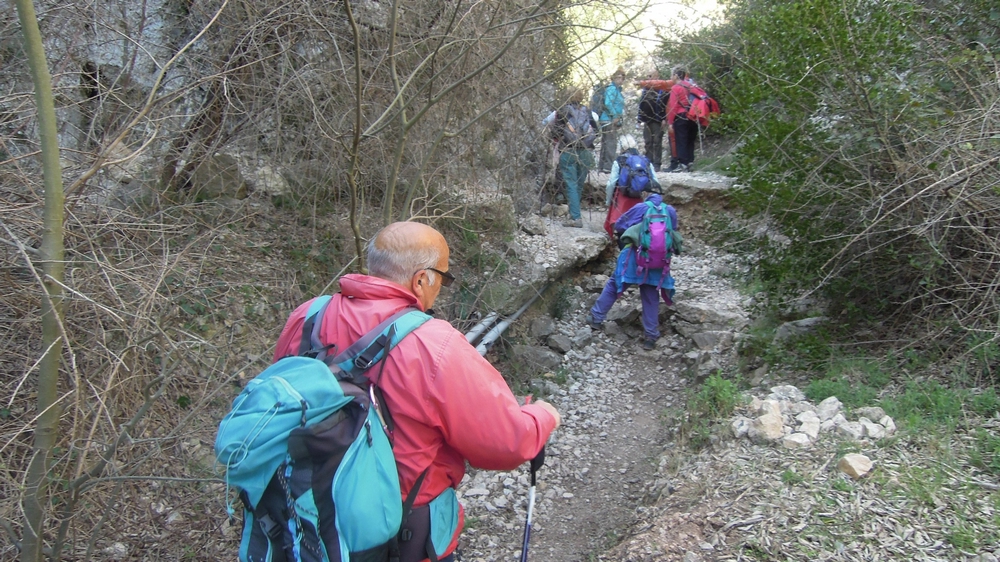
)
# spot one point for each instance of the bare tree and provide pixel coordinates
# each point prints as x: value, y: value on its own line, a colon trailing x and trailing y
x: 371, y: 112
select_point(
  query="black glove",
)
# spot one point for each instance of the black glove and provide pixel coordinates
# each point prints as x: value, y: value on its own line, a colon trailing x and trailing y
x: 538, y: 461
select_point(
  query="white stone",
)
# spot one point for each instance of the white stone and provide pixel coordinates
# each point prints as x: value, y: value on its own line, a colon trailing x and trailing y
x: 872, y: 429
x: 740, y: 427
x: 870, y: 412
x: 827, y: 426
x: 796, y: 440
x: 888, y: 424
x: 766, y: 428
x: 116, y: 551
x: 796, y: 408
x: 828, y: 408
x: 786, y: 392
x: 808, y: 416
x: 854, y: 430
x: 810, y: 428
x: 770, y: 407
x: 855, y: 465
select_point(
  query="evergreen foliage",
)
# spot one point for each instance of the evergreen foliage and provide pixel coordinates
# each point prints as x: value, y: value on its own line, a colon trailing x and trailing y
x: 869, y: 136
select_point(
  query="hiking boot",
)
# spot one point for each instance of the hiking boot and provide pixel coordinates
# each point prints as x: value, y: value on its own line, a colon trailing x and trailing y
x: 578, y: 223
x: 671, y: 169
x: 649, y: 344
x: 594, y: 324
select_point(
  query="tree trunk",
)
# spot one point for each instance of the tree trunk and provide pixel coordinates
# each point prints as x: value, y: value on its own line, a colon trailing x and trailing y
x: 35, y: 500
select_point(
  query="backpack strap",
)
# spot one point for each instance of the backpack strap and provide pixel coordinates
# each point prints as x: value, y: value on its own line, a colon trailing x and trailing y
x: 352, y: 363
x: 310, y: 344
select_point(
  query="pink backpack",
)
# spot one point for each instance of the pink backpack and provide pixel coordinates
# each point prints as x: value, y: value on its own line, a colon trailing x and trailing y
x: 654, y: 249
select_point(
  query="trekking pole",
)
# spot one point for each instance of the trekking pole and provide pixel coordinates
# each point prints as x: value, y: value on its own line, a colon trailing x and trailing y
x: 536, y: 463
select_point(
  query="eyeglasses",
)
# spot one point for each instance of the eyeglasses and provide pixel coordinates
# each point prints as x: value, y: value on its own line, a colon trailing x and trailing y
x: 446, y: 278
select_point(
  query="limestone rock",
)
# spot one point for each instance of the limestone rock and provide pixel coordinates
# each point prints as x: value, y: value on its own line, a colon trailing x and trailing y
x: 796, y: 440
x: 707, y: 317
x: 810, y: 428
x: 870, y: 412
x: 786, y: 392
x: 797, y: 328
x: 267, y: 180
x: 854, y: 430
x: 582, y: 337
x: 533, y: 225
x: 740, y: 427
x: 855, y: 465
x: 713, y: 339
x: 218, y: 176
x: 888, y: 424
x: 560, y: 343
x: 828, y: 408
x: 872, y: 429
x: 807, y: 416
x: 542, y: 326
x: 772, y: 407
x: 796, y: 408
x: 537, y: 358
x: 766, y: 428
x: 594, y: 283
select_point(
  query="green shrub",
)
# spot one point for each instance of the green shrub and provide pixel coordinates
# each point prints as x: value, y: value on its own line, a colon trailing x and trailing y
x: 717, y: 398
x: 561, y: 302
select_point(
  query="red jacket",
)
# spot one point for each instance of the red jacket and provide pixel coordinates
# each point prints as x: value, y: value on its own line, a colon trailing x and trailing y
x: 678, y: 103
x: 448, y: 403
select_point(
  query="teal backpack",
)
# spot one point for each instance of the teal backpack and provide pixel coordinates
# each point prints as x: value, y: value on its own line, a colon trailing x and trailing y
x: 306, y: 446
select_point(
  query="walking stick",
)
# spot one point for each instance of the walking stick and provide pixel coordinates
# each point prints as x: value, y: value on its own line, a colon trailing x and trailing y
x: 536, y: 463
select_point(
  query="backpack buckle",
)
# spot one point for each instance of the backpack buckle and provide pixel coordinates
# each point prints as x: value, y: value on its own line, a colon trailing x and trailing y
x: 270, y: 527
x: 363, y: 363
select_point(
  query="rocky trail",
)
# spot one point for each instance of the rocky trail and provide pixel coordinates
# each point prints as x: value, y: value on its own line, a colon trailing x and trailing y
x: 771, y: 484
x: 605, y: 464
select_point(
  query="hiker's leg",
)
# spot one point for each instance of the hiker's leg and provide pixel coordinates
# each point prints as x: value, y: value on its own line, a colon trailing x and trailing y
x: 653, y: 135
x: 570, y: 166
x: 604, y: 302
x: 686, y: 133
x: 609, y: 146
x: 650, y: 310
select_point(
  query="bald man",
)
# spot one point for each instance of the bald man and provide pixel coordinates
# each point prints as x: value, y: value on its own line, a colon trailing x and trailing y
x: 449, y: 404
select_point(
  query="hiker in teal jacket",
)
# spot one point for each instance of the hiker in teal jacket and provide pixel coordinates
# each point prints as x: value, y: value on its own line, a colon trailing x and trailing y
x: 611, y: 119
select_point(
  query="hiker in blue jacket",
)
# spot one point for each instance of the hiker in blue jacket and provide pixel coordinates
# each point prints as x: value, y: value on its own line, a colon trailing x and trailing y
x: 611, y: 119
x: 653, y: 283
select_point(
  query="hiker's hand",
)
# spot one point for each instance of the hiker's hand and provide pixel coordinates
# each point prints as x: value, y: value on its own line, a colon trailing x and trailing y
x: 539, y: 460
x: 550, y: 409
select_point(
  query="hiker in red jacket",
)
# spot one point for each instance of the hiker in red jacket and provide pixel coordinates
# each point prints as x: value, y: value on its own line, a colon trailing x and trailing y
x: 685, y: 131
x: 449, y: 405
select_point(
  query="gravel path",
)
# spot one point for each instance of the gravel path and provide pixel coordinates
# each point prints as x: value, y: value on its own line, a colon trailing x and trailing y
x: 603, y: 462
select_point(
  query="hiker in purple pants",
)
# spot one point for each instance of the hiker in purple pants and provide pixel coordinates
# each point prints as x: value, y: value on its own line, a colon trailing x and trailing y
x: 653, y: 283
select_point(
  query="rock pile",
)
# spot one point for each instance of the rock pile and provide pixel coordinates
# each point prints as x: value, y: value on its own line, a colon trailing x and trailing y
x: 786, y: 416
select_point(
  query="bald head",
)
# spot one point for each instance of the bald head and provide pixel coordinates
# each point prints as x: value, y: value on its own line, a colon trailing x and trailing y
x: 402, y: 248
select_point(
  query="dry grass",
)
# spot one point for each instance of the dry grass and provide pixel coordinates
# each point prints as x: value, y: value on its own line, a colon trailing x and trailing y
x: 164, y: 316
